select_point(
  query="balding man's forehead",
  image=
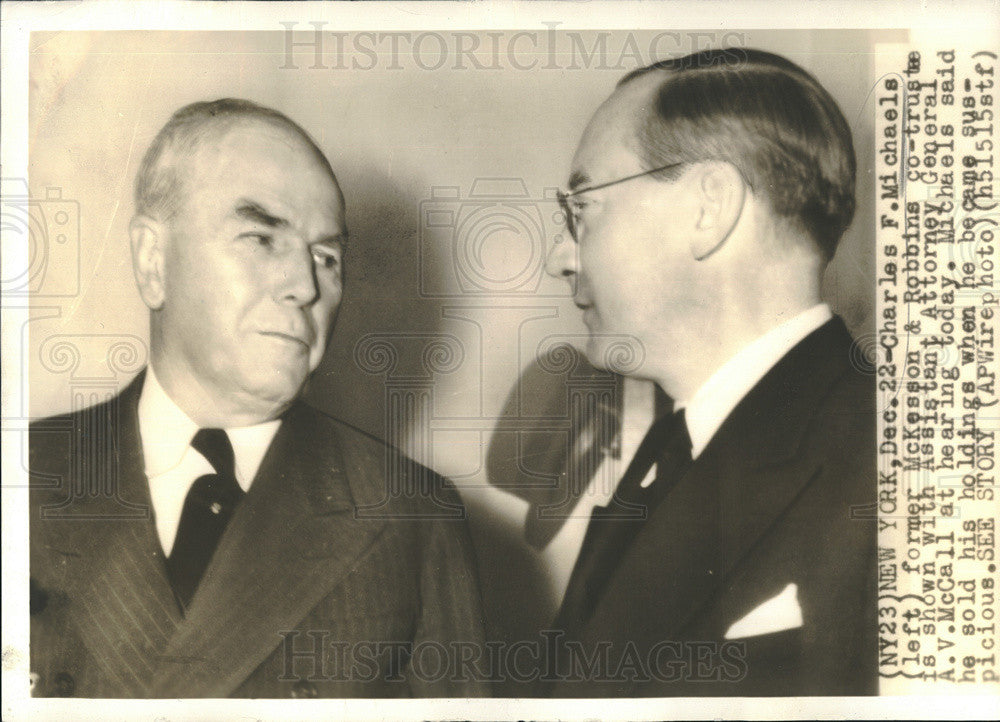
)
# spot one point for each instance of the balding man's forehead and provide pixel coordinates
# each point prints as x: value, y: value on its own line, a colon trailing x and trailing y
x: 228, y: 134
x: 229, y: 141
x: 628, y: 106
x: 636, y: 99
x: 615, y: 122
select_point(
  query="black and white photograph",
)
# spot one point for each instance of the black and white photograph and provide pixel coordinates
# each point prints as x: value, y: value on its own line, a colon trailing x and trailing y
x: 499, y: 361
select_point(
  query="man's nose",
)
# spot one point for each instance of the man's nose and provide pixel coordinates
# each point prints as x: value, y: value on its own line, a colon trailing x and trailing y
x: 296, y: 281
x: 562, y: 260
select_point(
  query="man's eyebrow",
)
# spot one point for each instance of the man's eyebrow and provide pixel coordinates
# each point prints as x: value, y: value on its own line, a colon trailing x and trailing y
x: 253, y: 211
x: 577, y: 179
x: 335, y: 239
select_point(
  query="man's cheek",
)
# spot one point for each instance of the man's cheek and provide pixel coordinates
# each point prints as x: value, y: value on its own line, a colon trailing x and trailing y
x: 325, y: 314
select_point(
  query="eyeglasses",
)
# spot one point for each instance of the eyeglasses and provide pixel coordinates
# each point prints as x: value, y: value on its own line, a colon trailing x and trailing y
x: 572, y: 212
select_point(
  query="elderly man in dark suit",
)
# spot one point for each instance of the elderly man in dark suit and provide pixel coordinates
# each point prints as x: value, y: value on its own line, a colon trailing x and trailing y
x: 737, y: 555
x: 205, y: 533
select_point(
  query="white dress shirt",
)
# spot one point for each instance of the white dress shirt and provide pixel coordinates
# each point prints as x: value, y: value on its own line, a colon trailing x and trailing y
x: 705, y: 411
x: 172, y: 466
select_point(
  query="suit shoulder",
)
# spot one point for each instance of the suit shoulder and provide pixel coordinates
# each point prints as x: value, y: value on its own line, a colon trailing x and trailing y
x: 376, y: 461
x: 49, y: 436
x: 319, y: 423
x: 51, y: 439
x: 855, y: 388
x: 846, y: 415
x: 843, y: 444
x: 43, y: 430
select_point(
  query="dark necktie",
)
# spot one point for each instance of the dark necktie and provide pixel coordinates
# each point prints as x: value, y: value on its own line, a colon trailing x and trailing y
x: 613, y: 527
x: 668, y: 445
x: 208, y: 507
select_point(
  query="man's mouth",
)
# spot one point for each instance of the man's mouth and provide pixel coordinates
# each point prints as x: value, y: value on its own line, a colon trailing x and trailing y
x: 588, y: 314
x: 290, y: 338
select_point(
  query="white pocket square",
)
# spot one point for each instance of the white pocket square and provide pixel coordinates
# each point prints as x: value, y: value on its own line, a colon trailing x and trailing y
x: 775, y: 615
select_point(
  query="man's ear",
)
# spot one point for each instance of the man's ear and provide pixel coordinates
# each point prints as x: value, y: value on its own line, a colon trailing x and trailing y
x: 148, y: 239
x: 721, y: 195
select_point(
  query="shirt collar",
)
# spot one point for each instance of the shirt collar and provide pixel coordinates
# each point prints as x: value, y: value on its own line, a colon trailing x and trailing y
x: 250, y: 443
x: 167, y: 431
x: 719, y: 395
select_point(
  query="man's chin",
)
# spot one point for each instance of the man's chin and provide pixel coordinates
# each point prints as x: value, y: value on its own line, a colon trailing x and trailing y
x: 616, y: 353
x: 278, y: 391
x: 595, y: 354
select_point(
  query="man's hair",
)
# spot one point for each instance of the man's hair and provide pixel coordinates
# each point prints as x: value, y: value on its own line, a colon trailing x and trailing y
x: 159, y: 182
x: 767, y: 117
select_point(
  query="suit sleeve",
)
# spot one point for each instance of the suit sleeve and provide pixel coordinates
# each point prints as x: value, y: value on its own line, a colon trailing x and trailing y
x: 451, y: 624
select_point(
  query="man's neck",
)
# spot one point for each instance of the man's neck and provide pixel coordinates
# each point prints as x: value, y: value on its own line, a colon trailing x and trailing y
x: 711, y: 343
x: 716, y: 398
x: 202, y: 405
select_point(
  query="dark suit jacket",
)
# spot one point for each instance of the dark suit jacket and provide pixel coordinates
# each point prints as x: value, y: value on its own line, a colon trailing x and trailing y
x: 325, y: 582
x: 783, y: 494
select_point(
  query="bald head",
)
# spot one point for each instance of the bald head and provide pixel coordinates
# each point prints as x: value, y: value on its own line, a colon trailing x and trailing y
x: 160, y: 184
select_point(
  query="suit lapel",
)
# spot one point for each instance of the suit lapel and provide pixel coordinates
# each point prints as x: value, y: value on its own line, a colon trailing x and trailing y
x: 124, y: 607
x: 293, y: 538
x: 746, y: 478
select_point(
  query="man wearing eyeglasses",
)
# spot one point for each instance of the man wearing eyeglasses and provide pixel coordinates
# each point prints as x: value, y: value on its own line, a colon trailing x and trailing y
x: 737, y: 555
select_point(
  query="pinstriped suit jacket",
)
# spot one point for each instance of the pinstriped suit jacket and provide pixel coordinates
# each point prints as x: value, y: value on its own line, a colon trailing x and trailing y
x: 327, y: 580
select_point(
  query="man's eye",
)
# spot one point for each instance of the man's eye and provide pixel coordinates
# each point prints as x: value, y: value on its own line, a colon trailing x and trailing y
x: 577, y: 209
x: 326, y: 258
x: 263, y: 240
